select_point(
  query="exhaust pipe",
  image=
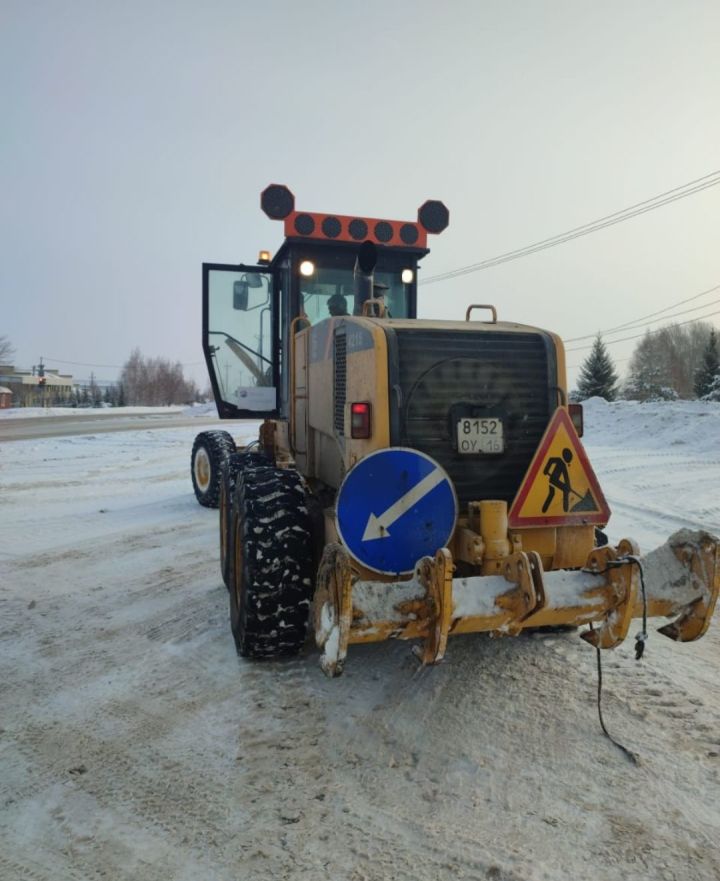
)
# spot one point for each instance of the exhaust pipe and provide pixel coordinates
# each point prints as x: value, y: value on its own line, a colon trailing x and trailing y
x: 363, y: 275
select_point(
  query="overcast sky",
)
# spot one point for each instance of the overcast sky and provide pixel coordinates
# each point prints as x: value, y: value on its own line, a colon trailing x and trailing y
x: 136, y: 138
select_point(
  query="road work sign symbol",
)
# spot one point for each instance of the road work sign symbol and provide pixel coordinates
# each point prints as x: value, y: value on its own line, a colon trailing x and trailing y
x: 394, y: 507
x: 560, y: 487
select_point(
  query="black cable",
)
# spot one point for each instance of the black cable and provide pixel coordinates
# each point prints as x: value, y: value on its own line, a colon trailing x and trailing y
x: 641, y: 637
x: 633, y: 757
x: 640, y: 641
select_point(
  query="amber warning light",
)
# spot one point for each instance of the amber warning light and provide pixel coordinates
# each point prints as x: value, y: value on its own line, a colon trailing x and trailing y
x: 576, y: 417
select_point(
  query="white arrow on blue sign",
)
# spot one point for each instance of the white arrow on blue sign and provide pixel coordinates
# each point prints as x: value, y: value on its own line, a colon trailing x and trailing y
x: 394, y: 507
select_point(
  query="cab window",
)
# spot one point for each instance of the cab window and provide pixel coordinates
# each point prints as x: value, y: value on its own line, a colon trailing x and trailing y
x: 327, y: 286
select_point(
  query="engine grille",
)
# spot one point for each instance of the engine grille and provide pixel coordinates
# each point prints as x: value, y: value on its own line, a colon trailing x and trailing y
x: 340, y: 381
x: 445, y: 375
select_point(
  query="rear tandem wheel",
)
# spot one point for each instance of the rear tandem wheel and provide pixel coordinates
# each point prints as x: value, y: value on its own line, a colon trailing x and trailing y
x: 272, y: 563
x: 230, y: 471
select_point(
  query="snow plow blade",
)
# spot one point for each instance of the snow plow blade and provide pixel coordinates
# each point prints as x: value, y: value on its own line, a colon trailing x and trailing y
x: 681, y: 581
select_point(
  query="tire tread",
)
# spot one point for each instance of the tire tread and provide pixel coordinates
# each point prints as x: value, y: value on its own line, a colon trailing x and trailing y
x: 273, y: 523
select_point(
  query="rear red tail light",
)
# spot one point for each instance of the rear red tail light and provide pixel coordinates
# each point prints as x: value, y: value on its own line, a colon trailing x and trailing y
x: 576, y: 416
x: 360, y: 420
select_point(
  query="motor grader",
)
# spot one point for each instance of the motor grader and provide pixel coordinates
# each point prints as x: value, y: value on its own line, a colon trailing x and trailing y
x: 411, y: 479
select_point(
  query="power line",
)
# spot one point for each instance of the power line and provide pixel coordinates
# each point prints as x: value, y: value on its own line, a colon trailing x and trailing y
x: 628, y: 324
x: 113, y: 366
x: 636, y: 325
x: 673, y: 195
x: 83, y: 364
x: 647, y: 332
x: 615, y: 361
x: 585, y: 229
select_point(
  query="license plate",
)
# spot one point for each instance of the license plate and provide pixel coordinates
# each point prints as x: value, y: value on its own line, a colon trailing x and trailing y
x: 480, y: 436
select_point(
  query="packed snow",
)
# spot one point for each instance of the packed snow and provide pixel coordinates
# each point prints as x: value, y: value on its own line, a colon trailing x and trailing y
x: 105, y: 410
x: 135, y: 744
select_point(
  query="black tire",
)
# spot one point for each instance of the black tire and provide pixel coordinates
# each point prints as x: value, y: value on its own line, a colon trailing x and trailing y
x: 209, y: 451
x: 229, y: 472
x: 272, y: 563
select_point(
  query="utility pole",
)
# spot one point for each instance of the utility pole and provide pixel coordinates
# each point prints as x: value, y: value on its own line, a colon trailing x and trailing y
x: 42, y: 382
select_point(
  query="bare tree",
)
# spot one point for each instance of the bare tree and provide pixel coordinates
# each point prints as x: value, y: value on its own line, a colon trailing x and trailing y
x: 664, y: 362
x: 132, y: 377
x: 7, y: 351
x: 155, y: 382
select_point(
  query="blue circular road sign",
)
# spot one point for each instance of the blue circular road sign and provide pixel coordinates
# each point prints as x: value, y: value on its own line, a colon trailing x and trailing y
x: 394, y: 507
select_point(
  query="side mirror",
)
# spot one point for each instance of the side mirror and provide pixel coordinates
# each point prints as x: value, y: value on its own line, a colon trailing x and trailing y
x: 240, y: 295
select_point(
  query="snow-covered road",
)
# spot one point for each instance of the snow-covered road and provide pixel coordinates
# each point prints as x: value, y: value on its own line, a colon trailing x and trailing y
x: 134, y: 744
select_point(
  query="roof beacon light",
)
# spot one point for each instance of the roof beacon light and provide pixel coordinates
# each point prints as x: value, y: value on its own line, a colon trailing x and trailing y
x: 307, y: 267
x: 264, y: 257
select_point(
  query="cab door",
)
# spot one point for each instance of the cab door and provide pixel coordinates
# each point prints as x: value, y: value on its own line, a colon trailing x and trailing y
x: 240, y: 339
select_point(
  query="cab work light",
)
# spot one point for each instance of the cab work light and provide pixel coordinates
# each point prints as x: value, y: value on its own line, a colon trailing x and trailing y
x: 360, y: 420
x: 576, y: 416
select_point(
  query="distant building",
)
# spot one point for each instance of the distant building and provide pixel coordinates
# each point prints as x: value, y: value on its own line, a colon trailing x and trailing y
x: 26, y: 390
x: 5, y: 398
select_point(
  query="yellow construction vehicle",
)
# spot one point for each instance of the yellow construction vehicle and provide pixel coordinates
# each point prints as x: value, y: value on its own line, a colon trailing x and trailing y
x: 411, y: 479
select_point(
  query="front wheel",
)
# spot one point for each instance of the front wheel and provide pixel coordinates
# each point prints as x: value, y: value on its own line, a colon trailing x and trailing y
x: 209, y: 451
x: 272, y: 563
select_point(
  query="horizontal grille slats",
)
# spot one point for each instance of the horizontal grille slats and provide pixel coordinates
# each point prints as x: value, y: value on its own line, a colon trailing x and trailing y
x: 444, y: 374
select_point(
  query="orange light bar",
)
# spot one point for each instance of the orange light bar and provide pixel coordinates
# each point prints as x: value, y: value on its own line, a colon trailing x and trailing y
x: 345, y: 228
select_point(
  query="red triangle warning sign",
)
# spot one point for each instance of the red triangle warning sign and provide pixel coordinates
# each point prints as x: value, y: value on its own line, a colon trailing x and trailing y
x: 560, y: 487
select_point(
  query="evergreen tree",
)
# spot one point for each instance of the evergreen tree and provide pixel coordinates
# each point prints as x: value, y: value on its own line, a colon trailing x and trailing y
x: 714, y: 390
x: 597, y: 374
x: 709, y: 367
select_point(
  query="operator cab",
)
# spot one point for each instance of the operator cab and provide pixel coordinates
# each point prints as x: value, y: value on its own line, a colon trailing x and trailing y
x: 327, y: 280
x: 248, y: 311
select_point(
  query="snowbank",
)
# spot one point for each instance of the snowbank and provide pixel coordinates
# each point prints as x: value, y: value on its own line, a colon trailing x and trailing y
x: 661, y: 425
x: 27, y: 412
